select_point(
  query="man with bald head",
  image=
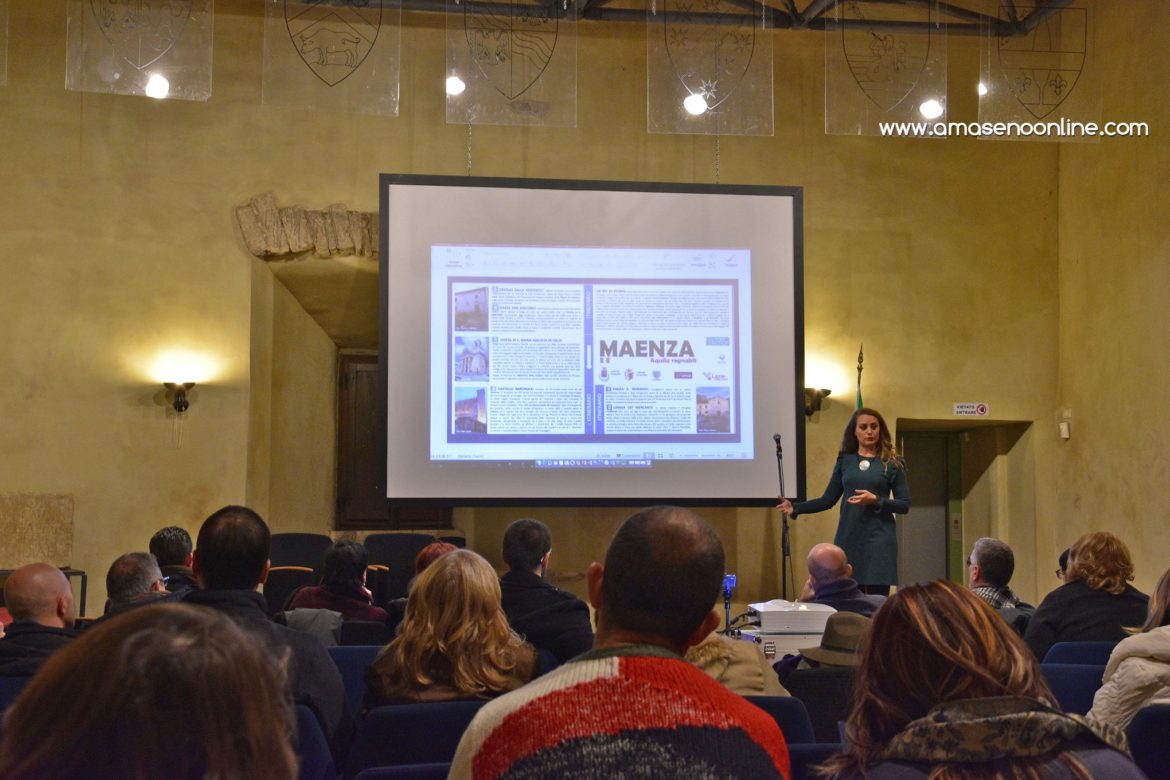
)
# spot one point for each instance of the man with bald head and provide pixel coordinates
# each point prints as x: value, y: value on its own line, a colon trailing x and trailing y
x: 40, y: 600
x: 830, y: 581
x: 632, y: 706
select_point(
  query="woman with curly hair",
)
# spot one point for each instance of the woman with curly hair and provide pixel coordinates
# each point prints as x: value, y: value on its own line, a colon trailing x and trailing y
x: 454, y: 641
x: 1095, y: 601
x: 872, y: 479
x: 946, y: 690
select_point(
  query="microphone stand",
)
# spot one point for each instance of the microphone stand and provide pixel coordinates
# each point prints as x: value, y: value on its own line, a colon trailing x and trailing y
x: 785, y: 549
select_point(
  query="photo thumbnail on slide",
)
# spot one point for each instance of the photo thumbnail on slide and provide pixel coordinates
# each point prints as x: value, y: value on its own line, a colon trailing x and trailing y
x: 590, y: 357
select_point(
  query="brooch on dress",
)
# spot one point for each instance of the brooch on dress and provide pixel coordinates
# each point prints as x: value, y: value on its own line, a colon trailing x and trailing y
x: 863, y: 465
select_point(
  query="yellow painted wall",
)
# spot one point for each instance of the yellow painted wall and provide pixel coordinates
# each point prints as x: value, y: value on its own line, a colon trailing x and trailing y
x: 1114, y: 318
x: 966, y: 267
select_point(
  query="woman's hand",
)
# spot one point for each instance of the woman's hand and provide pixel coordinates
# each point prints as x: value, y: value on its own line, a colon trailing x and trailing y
x: 862, y: 497
x: 785, y: 506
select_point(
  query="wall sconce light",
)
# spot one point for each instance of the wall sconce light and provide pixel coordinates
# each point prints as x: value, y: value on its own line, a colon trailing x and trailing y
x: 814, y: 400
x: 178, y: 392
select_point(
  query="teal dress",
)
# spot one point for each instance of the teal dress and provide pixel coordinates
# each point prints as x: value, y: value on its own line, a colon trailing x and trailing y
x: 866, y: 532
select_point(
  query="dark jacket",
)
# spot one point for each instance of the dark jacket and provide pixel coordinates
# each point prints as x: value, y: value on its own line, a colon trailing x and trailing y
x: 546, y: 616
x: 313, y: 677
x: 180, y: 579
x: 1074, y: 612
x: 26, y: 645
x: 355, y: 605
x: 845, y: 596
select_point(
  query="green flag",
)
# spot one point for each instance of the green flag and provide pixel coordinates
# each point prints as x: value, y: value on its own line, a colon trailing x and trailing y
x: 860, y: 360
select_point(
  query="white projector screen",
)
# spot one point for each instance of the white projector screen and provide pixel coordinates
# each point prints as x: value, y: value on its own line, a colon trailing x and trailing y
x: 575, y: 342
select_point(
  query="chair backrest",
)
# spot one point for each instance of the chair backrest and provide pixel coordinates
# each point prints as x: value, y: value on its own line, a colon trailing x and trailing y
x: 790, y: 714
x: 282, y: 582
x: 458, y: 541
x: 352, y: 661
x: 10, y: 688
x: 827, y: 693
x: 299, y: 549
x: 313, y: 748
x: 365, y: 632
x: 1096, y: 653
x: 410, y: 734
x: 804, y: 757
x: 406, y: 772
x: 1073, y: 684
x: 397, y: 552
x: 1149, y: 739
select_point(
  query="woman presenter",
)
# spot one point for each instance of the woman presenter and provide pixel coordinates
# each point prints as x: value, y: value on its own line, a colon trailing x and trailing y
x: 873, y: 478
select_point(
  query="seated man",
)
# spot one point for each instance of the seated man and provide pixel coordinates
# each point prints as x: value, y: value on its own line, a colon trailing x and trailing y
x: 134, y: 579
x: 632, y: 706
x: 171, y: 546
x: 830, y: 581
x: 545, y: 615
x: 343, y: 585
x: 230, y: 561
x: 41, y: 603
x: 989, y: 570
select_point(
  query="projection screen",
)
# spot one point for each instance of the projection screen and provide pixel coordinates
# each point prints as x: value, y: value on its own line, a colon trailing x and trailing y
x: 580, y: 342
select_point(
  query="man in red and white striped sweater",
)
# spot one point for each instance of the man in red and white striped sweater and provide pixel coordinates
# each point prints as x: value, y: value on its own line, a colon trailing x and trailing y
x: 632, y: 707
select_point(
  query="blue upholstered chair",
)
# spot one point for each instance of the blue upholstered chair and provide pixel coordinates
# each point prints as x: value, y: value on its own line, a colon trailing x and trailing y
x: 790, y: 714
x: 406, y: 772
x: 1149, y: 739
x: 805, y: 757
x: 313, y: 748
x: 299, y: 549
x: 410, y: 734
x: 352, y: 661
x: 10, y: 688
x: 1073, y: 684
x: 1096, y: 653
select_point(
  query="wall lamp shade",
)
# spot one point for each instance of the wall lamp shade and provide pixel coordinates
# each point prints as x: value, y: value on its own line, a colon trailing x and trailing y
x: 814, y: 400
x: 179, y: 400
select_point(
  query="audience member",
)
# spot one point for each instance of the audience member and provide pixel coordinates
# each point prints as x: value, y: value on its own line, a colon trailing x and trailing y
x: 823, y: 678
x: 429, y: 554
x: 171, y: 546
x: 134, y: 579
x: 830, y: 582
x: 1138, y: 672
x: 839, y: 646
x: 101, y: 708
x: 454, y: 641
x: 40, y: 600
x: 1062, y: 565
x: 230, y: 562
x: 737, y: 664
x: 545, y: 615
x: 989, y: 570
x: 946, y: 689
x: 633, y: 707
x: 1095, y: 601
x: 343, y: 585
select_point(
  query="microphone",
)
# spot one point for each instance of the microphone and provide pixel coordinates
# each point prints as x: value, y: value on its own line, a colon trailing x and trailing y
x: 779, y: 448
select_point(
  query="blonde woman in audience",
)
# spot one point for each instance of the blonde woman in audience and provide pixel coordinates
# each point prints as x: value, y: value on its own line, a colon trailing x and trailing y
x: 1095, y: 601
x: 454, y: 641
x: 1138, y: 672
x: 946, y: 689
x: 105, y: 705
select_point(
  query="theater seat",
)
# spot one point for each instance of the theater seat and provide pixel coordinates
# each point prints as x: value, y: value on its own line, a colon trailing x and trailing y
x: 1073, y: 684
x: 298, y: 549
x: 1079, y: 653
x: 312, y: 748
x: 1149, y: 739
x: 805, y: 757
x: 790, y: 714
x: 352, y: 661
x: 406, y: 772
x: 410, y: 734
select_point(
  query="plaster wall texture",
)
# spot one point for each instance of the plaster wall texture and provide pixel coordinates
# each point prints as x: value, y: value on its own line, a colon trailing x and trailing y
x: 966, y: 267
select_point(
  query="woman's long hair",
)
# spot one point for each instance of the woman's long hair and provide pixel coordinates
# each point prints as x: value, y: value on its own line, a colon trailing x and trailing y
x: 887, y: 452
x: 454, y: 632
x: 928, y: 645
x: 161, y: 691
x: 1101, y: 561
x: 1156, y: 615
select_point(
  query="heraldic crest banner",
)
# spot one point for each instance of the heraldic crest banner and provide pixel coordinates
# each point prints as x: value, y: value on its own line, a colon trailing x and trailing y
x: 877, y: 71
x: 1039, y: 68
x: 157, y: 48
x: 511, y: 63
x: 708, y: 69
x: 335, y: 55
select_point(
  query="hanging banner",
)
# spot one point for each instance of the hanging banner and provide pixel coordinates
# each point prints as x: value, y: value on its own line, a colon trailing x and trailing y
x: 878, y: 70
x: 155, y: 48
x: 511, y: 64
x: 708, y: 69
x: 333, y: 55
x: 1036, y: 70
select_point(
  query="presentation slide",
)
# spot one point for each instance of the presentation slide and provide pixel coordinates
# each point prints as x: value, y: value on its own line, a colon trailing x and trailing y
x: 533, y: 354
